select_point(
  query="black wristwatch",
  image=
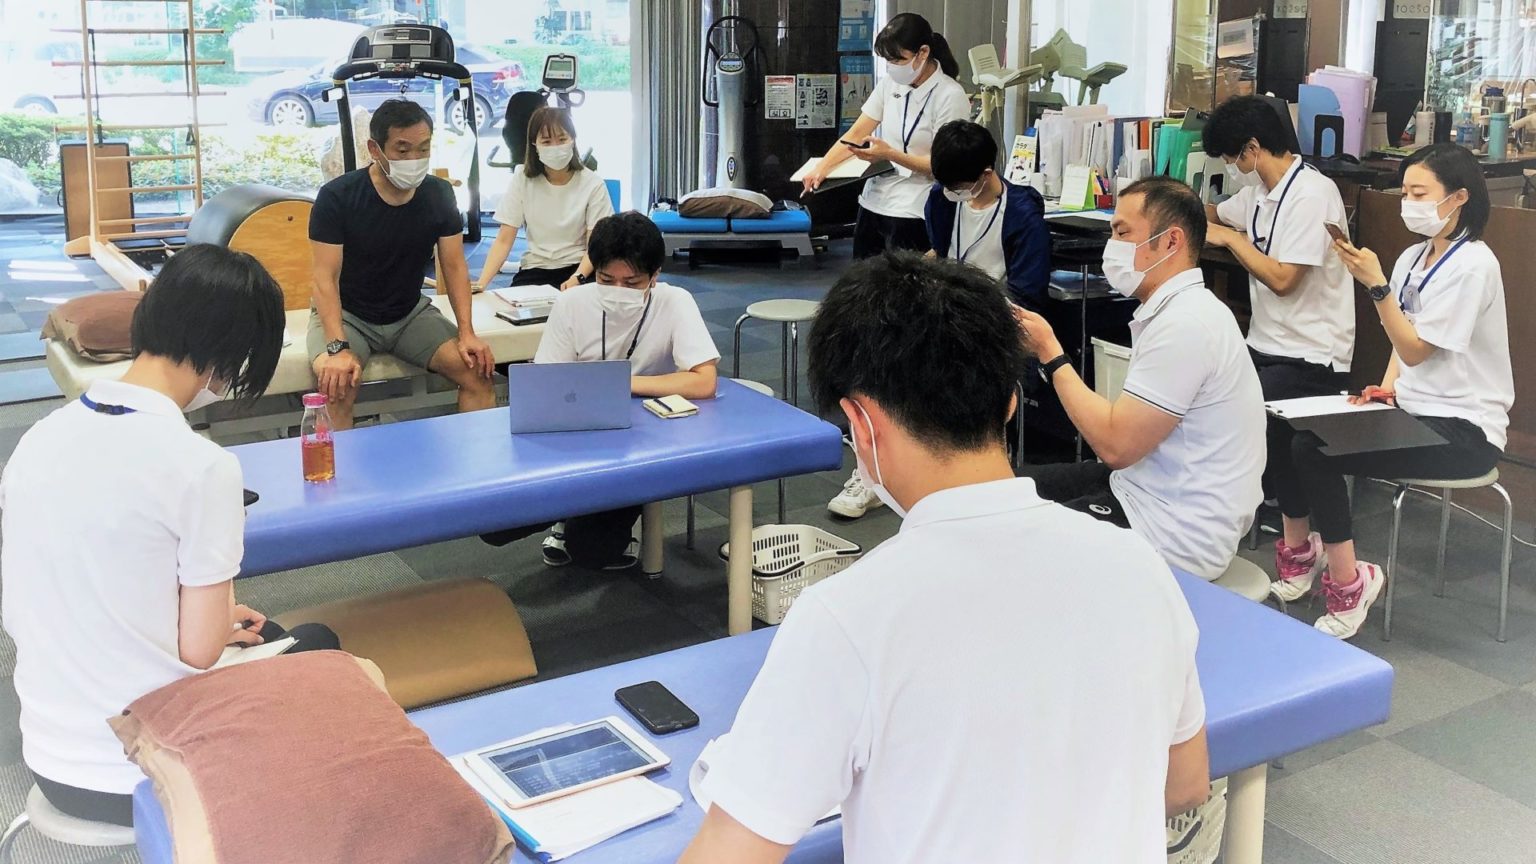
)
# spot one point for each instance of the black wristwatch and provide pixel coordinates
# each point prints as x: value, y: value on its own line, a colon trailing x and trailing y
x: 1379, y: 292
x: 337, y: 346
x: 1048, y: 368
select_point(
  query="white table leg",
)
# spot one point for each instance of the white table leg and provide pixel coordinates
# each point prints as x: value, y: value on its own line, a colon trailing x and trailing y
x: 738, y: 571
x: 1244, y: 840
x: 651, y: 532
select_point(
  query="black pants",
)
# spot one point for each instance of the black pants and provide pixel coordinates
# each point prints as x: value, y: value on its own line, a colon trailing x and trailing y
x: 594, y: 541
x: 117, y: 809
x: 555, y: 276
x: 1288, y: 378
x: 874, y: 233
x: 1081, y: 486
x: 1467, y: 453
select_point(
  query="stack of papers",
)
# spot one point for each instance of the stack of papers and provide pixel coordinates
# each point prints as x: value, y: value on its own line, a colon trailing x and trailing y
x: 527, y: 296
x: 561, y: 827
x: 1319, y: 406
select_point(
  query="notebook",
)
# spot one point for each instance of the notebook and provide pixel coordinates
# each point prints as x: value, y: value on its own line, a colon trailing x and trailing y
x: 850, y: 170
x: 234, y: 655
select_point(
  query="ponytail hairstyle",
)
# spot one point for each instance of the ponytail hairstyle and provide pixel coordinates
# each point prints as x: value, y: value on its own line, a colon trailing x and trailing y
x: 910, y: 32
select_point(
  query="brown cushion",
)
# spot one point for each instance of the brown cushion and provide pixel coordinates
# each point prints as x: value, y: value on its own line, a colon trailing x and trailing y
x: 722, y: 203
x: 434, y: 641
x: 97, y: 326
x: 302, y: 758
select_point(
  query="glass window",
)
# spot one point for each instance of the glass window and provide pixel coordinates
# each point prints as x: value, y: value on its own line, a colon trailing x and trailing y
x: 1475, y: 45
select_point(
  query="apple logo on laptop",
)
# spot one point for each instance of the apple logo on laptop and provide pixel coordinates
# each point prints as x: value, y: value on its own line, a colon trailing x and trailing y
x: 570, y: 397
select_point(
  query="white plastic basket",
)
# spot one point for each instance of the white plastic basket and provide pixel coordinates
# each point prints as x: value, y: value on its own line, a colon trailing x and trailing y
x: 1110, y: 364
x: 786, y: 559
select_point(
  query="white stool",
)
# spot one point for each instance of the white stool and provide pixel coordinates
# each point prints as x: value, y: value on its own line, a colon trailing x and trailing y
x: 764, y: 389
x: 1491, y: 480
x: 1245, y: 578
x: 790, y: 314
x: 57, y: 825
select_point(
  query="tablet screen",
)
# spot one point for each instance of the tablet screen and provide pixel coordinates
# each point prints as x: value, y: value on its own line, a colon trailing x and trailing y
x: 566, y: 759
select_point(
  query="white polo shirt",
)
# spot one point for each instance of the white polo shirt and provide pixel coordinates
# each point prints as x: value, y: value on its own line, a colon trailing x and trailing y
x: 959, y: 700
x: 977, y: 237
x: 672, y: 337
x: 1195, y: 494
x: 556, y: 219
x: 1461, y: 312
x: 104, y: 519
x: 1316, y: 322
x: 908, y: 119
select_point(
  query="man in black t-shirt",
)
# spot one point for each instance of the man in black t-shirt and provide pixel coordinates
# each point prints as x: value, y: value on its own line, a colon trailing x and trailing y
x: 373, y: 231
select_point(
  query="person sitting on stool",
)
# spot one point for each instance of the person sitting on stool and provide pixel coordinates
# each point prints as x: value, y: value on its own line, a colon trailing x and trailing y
x: 1443, y: 309
x: 123, y: 529
x: 1302, y: 333
x: 373, y: 232
x: 557, y: 199
x: 625, y: 315
x: 1183, y: 445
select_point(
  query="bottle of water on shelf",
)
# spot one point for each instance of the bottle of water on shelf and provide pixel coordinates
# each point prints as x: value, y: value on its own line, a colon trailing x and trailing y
x: 315, y: 435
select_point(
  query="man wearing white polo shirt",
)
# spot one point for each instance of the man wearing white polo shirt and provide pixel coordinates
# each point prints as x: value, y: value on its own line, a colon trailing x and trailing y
x: 951, y: 692
x: 1182, y: 448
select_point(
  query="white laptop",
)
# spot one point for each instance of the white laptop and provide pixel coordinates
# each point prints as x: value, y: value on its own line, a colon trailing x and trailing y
x: 569, y: 397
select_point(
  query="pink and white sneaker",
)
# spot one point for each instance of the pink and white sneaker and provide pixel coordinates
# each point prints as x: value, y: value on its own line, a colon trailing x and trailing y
x: 1349, y: 604
x: 1297, y: 570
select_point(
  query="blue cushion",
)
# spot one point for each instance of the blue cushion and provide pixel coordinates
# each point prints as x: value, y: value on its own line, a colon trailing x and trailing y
x: 778, y: 222
x: 672, y: 222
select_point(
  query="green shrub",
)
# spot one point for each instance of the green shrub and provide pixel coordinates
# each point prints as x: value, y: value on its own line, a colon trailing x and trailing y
x: 27, y: 140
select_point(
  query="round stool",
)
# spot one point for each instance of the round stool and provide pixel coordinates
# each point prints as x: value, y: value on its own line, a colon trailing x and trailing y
x: 1245, y: 578
x: 58, y: 825
x: 758, y: 387
x: 790, y: 314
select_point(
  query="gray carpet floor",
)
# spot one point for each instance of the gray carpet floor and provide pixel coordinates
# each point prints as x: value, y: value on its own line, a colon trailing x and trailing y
x: 1451, y: 778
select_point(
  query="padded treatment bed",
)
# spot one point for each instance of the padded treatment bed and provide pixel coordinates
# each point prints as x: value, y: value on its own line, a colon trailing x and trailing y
x: 790, y: 228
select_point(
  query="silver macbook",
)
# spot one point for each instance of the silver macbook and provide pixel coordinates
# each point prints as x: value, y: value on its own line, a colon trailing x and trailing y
x: 568, y: 397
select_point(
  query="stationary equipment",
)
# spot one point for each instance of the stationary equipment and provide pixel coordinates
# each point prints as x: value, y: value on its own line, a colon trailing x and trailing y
x: 559, y: 80
x: 1069, y: 58
x: 271, y: 225
x: 403, y: 52
x: 733, y: 71
x: 994, y: 81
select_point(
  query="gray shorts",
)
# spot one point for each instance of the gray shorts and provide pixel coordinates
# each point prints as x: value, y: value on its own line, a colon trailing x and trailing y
x: 414, y: 338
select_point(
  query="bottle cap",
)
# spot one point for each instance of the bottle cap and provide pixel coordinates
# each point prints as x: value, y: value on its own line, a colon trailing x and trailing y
x: 314, y: 400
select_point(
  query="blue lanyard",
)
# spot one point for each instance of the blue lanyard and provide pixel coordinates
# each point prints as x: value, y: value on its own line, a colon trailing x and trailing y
x: 906, y: 133
x: 1402, y: 294
x: 103, y: 408
x: 1253, y: 230
x: 638, y: 327
x: 996, y: 208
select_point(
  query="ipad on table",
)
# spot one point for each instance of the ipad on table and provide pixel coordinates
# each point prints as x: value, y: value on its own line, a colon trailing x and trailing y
x: 550, y: 764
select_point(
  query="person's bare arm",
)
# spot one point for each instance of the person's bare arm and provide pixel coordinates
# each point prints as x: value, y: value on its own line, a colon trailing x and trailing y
x: 696, y: 383
x: 1407, y: 346
x: 839, y: 153
x: 723, y: 840
x: 1189, y: 775
x: 335, y: 374
x: 454, y: 272
x: 206, y: 622
x: 505, y: 237
x: 1281, y: 278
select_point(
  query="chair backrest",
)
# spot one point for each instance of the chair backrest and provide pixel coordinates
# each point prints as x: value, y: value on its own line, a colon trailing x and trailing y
x: 613, y: 193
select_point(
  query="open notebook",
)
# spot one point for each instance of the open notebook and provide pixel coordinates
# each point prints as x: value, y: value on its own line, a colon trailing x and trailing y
x: 234, y: 655
x: 847, y: 171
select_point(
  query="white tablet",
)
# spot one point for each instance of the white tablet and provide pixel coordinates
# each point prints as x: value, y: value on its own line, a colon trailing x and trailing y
x: 547, y: 765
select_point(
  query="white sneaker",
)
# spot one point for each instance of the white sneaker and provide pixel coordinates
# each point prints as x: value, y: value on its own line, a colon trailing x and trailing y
x: 1347, y: 607
x: 555, y: 553
x: 1194, y: 836
x: 1297, y: 572
x: 855, y: 500
x: 511, y: 266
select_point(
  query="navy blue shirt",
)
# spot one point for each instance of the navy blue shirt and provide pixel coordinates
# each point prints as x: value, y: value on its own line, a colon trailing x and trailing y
x: 1026, y: 239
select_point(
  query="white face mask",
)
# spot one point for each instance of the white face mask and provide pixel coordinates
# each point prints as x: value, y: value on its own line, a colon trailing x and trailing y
x: 903, y: 73
x: 556, y: 156
x: 619, y: 301
x: 1423, y: 217
x: 963, y: 196
x: 407, y: 173
x: 1120, y: 264
x: 874, y: 481
x: 1241, y: 178
x: 204, y: 398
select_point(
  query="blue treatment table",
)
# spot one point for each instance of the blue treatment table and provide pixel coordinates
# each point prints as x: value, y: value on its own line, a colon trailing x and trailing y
x: 424, y: 481
x: 1273, y: 686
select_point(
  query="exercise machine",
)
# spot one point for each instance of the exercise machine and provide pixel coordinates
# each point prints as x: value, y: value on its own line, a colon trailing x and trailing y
x: 268, y: 223
x: 1070, y: 59
x: 558, y: 81
x: 403, y: 52
x: 733, y: 72
x: 989, y: 76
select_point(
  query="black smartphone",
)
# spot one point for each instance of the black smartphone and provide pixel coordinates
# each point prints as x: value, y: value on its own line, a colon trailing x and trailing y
x: 656, y: 708
x: 251, y: 497
x: 864, y: 146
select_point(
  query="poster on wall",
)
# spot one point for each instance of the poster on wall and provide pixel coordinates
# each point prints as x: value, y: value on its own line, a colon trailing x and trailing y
x: 1290, y: 8
x: 856, y: 25
x: 779, y: 97
x: 1405, y: 9
x: 857, y: 81
x: 815, y: 101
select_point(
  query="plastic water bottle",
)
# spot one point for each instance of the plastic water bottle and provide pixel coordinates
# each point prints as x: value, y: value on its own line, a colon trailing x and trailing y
x: 315, y: 435
x: 1466, y: 133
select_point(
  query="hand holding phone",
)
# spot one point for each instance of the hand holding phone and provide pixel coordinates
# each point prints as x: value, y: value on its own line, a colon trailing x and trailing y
x: 846, y: 143
x: 1336, y: 231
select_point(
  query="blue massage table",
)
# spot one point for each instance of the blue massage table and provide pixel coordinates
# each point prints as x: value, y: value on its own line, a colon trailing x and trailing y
x: 791, y: 229
x: 424, y: 481
x: 1273, y: 686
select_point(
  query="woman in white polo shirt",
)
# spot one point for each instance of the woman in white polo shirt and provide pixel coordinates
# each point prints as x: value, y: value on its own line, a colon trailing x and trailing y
x: 1444, y: 311
x: 917, y: 94
x: 557, y: 199
x: 123, y: 529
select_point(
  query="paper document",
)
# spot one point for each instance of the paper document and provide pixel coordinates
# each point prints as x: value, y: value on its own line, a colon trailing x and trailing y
x: 234, y: 656
x: 566, y: 825
x: 1319, y: 406
x: 520, y: 296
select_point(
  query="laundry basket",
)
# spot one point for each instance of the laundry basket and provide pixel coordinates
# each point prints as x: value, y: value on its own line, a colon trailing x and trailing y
x: 786, y: 559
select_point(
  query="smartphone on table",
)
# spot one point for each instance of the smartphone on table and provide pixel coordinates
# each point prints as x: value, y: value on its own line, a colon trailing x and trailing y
x: 656, y: 708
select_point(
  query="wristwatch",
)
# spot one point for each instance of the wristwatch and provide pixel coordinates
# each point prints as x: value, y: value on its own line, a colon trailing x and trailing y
x: 1048, y: 368
x: 1379, y: 292
x: 337, y: 346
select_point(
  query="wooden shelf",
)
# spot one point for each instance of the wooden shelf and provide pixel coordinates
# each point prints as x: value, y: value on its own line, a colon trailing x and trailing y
x: 185, y: 94
x: 144, y: 220
x: 140, y: 63
x: 142, y: 31
x: 145, y: 235
x: 143, y: 190
x: 129, y: 127
x: 158, y: 157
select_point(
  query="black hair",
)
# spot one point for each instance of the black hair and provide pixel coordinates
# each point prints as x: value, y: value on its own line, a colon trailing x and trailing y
x: 1169, y: 203
x: 961, y: 152
x: 217, y: 309
x: 930, y: 339
x: 910, y: 32
x: 396, y: 114
x: 1242, y: 119
x: 1456, y: 168
x: 630, y: 237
